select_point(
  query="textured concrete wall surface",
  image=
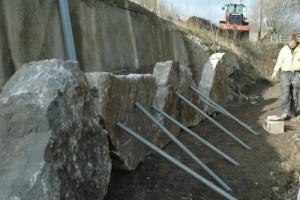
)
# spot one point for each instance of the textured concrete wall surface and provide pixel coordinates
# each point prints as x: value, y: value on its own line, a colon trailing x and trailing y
x: 109, y: 36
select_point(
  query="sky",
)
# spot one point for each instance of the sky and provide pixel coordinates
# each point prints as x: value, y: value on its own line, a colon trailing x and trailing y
x: 208, y: 9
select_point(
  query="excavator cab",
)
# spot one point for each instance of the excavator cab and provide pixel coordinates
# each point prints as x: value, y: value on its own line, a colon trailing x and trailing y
x: 234, y: 21
x: 235, y: 8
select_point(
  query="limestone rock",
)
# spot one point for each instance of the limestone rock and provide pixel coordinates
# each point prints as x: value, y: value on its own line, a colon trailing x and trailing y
x: 198, y: 55
x: 189, y: 116
x: 115, y: 101
x: 172, y: 77
x: 167, y: 78
x: 215, y: 75
x: 51, y: 143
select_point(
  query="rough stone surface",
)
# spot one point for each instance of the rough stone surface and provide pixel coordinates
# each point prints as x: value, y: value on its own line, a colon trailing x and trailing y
x: 119, y: 35
x: 115, y: 97
x: 274, y: 127
x: 214, y: 81
x: 230, y: 61
x: 198, y: 55
x: 167, y: 78
x: 189, y: 116
x: 51, y: 143
x: 172, y: 77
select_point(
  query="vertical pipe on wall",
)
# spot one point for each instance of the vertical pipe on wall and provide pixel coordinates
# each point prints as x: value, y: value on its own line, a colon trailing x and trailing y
x: 67, y: 29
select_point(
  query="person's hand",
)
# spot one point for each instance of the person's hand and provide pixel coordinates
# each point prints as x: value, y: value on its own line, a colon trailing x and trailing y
x: 274, y: 75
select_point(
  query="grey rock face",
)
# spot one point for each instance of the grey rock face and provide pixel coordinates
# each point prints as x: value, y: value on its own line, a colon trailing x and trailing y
x: 115, y: 103
x: 51, y: 143
x: 167, y: 78
x: 171, y: 78
x: 215, y: 76
x: 198, y: 55
x: 189, y: 116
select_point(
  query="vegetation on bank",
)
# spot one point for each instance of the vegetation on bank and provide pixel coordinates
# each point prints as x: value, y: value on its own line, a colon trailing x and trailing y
x: 256, y: 59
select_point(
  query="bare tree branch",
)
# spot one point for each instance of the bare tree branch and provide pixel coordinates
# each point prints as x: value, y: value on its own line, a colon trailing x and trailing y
x: 283, y: 15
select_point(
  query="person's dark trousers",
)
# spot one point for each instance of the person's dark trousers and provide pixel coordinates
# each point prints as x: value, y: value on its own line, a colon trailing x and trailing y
x: 289, y: 84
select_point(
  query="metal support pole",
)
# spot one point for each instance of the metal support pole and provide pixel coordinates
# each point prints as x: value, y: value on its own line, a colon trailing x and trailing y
x: 176, y: 162
x: 196, y: 136
x: 214, y: 121
x: 182, y: 146
x: 219, y: 108
x: 222, y: 110
x: 67, y: 29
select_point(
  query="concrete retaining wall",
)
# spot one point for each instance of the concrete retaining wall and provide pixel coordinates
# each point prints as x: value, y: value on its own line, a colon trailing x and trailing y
x: 109, y: 36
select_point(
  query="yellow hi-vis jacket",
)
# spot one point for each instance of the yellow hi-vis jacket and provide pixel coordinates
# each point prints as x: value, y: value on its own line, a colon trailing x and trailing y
x: 287, y: 61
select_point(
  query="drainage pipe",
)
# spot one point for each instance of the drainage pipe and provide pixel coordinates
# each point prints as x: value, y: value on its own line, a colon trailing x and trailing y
x: 176, y: 162
x: 222, y: 110
x: 228, y: 158
x: 182, y: 146
x: 67, y: 29
x: 213, y: 121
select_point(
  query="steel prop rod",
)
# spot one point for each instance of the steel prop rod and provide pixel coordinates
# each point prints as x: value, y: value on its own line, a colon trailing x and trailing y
x: 182, y: 146
x: 228, y: 158
x: 176, y: 162
x: 214, y: 121
x: 222, y: 110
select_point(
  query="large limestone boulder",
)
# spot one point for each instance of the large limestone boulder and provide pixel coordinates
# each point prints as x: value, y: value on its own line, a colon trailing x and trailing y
x: 51, y: 143
x: 171, y: 78
x: 189, y: 116
x: 214, y: 81
x: 115, y: 97
x: 198, y: 55
x: 167, y: 78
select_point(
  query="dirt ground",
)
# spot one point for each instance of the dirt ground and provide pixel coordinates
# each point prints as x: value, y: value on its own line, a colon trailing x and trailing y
x: 269, y: 171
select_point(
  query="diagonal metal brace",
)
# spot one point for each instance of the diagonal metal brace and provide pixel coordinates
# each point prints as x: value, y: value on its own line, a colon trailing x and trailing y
x: 182, y: 146
x: 228, y: 158
x: 213, y: 121
x: 176, y: 162
x: 215, y: 106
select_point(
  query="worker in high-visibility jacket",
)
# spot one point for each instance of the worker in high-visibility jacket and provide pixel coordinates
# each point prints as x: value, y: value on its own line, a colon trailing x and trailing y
x: 288, y: 63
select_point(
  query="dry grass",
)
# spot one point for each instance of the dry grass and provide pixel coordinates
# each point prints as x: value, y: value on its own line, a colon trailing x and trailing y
x: 260, y: 56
